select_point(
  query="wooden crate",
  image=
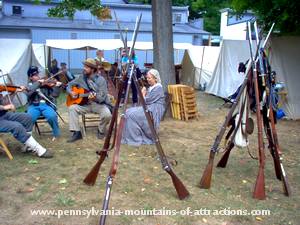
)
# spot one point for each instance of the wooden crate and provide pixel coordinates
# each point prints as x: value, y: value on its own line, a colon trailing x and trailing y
x: 188, y: 103
x: 183, y: 104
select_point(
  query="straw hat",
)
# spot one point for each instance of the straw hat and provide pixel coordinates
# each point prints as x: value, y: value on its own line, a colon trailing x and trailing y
x: 90, y: 63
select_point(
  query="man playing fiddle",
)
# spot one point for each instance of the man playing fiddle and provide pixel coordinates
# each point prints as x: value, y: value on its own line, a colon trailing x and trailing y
x: 40, y: 100
x: 20, y: 125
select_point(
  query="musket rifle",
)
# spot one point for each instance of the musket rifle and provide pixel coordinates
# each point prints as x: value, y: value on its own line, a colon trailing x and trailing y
x: 91, y: 177
x: 116, y: 155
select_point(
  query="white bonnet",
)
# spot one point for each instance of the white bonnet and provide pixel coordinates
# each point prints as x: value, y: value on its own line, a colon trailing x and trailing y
x: 156, y: 75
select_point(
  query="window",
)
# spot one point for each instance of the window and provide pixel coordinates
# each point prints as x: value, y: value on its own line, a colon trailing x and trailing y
x: 73, y: 35
x: 176, y: 18
x: 17, y: 10
x: 117, y: 36
x: 196, y: 40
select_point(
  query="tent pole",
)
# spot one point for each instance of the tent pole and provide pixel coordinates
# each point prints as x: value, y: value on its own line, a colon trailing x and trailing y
x: 69, y: 61
x: 49, y: 59
x: 177, y: 56
x: 200, y: 75
x: 45, y: 58
x: 146, y: 56
x: 209, y: 40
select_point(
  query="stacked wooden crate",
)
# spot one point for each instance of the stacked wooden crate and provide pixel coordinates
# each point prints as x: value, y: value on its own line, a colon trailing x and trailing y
x: 183, y: 102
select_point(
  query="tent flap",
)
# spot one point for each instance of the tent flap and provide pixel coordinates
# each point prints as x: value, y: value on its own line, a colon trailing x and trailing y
x: 284, y: 59
x: 226, y: 79
x: 198, y: 64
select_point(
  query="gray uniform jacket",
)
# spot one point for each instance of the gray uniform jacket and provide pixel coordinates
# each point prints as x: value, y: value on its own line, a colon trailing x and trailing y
x: 95, y: 84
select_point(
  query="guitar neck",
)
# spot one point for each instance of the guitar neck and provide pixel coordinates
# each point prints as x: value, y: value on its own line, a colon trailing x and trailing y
x: 84, y: 95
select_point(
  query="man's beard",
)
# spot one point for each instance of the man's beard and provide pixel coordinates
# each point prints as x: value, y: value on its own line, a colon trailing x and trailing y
x: 87, y: 73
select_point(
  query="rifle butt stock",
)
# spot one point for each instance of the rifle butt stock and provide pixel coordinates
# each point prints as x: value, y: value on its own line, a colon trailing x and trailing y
x: 91, y: 178
x: 181, y: 190
x: 276, y: 165
x: 259, y: 188
x: 285, y: 182
x: 223, y: 161
x: 207, y: 174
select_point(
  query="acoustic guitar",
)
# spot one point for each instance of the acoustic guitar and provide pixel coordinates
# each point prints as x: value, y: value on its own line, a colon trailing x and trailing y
x: 82, y: 96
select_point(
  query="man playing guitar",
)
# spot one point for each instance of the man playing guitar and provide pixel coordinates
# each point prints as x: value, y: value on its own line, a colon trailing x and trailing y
x: 88, y: 94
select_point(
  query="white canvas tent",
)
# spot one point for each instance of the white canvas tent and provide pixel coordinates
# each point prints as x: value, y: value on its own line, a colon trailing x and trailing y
x: 198, y: 64
x: 285, y: 60
x: 39, y: 57
x: 226, y: 79
x: 104, y: 44
x: 16, y: 56
x: 15, y: 59
x: 111, y: 46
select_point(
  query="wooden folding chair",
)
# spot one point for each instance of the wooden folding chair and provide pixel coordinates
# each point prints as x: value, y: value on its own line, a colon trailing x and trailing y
x: 89, y: 120
x: 5, y: 149
x: 41, y: 120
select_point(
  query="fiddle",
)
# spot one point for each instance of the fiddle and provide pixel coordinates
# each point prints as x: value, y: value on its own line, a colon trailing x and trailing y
x: 11, y: 88
x: 51, y: 81
x: 48, y: 83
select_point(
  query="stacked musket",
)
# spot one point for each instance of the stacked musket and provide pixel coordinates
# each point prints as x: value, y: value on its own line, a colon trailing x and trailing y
x: 259, y: 85
x: 91, y: 177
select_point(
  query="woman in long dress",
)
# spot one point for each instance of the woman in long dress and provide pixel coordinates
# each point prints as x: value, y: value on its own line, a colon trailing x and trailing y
x: 137, y: 131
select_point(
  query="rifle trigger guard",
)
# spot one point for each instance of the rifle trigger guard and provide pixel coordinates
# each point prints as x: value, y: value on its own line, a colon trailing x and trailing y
x: 103, y: 150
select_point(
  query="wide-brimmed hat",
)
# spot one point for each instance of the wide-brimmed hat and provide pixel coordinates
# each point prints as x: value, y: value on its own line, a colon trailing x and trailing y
x: 90, y: 63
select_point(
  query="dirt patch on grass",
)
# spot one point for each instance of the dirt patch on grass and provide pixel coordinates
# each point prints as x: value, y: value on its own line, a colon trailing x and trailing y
x: 28, y: 183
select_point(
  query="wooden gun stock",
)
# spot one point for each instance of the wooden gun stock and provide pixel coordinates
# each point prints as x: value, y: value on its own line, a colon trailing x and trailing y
x: 223, y: 161
x: 91, y: 178
x: 207, y: 174
x: 259, y: 188
x: 276, y: 162
x: 286, y: 186
x: 271, y: 145
x: 179, y: 186
x: 181, y: 190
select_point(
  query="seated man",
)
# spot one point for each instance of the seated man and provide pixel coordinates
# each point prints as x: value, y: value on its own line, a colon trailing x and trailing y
x: 100, y: 56
x: 136, y: 131
x: 68, y: 75
x: 40, y: 100
x: 96, y: 102
x: 20, y: 125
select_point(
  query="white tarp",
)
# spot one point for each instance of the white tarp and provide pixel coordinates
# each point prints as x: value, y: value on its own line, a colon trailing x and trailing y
x: 104, y: 44
x: 198, y: 64
x: 39, y: 57
x: 285, y: 60
x: 15, y: 59
x: 226, y: 79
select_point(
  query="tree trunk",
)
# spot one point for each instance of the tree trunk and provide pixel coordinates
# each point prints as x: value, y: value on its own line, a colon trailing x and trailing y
x: 162, y: 35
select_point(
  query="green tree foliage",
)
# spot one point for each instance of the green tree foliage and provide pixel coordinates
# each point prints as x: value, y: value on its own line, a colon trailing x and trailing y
x: 67, y: 8
x: 285, y: 13
x: 209, y: 10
